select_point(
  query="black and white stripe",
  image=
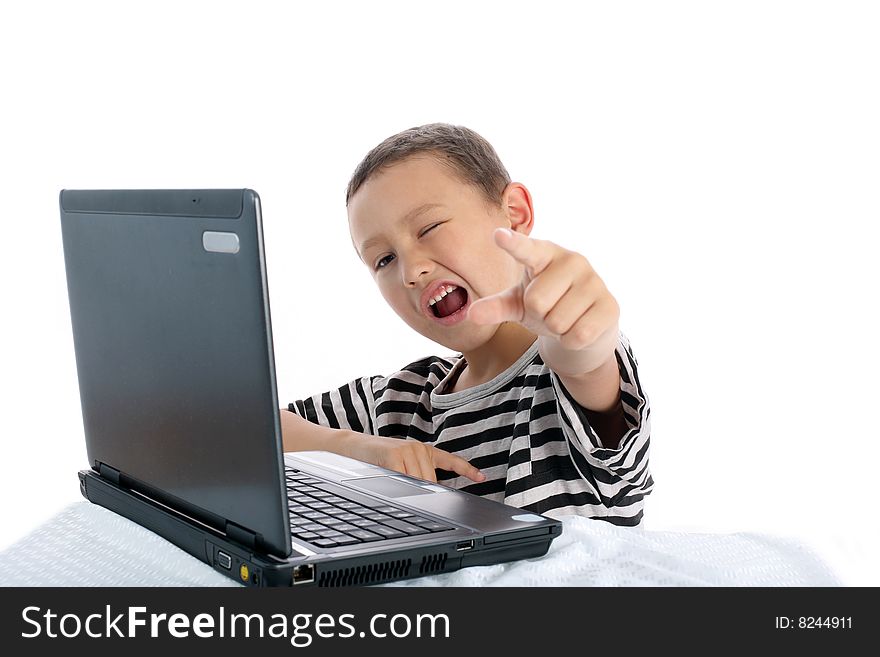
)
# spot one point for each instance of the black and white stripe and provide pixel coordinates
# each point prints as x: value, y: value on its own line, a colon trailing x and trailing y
x: 522, y: 429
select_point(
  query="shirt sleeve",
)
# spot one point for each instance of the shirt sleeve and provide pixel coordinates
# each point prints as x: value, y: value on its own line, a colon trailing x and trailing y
x: 621, y: 476
x: 351, y: 406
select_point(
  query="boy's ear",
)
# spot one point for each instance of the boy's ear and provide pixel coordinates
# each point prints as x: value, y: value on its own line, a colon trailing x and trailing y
x: 516, y: 201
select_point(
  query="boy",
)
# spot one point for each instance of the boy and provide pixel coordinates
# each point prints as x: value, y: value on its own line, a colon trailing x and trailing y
x: 542, y: 408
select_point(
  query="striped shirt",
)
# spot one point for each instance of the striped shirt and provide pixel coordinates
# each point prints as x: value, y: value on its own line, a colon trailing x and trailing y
x: 523, y: 429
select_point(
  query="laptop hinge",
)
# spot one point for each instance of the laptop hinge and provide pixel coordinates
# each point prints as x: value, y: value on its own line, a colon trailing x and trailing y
x: 106, y: 472
x: 241, y: 535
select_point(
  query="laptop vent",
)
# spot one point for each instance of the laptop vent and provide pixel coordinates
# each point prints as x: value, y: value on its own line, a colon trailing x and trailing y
x: 370, y: 574
x: 433, y: 563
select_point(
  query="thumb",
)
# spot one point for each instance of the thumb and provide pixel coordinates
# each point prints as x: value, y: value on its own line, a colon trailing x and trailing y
x: 505, y: 306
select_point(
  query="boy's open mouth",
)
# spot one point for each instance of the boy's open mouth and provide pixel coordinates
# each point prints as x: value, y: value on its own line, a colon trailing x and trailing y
x: 453, y: 299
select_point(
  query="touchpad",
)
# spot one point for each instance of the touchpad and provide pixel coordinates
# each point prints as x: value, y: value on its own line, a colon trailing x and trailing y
x: 387, y: 486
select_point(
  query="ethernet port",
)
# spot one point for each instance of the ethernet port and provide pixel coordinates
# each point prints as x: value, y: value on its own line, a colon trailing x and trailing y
x: 304, y: 574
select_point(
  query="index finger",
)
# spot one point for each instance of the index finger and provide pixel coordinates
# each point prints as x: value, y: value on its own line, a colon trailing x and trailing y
x: 533, y: 254
x: 447, y: 461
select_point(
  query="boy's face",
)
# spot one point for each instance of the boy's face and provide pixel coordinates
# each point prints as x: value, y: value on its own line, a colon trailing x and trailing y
x: 418, y: 228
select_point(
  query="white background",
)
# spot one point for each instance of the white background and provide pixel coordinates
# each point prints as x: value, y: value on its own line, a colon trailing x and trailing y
x: 718, y: 164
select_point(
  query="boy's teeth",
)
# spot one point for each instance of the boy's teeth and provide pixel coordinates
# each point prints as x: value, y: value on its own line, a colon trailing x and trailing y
x: 446, y: 289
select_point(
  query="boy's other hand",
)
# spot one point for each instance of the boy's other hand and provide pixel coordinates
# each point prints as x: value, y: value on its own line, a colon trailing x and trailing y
x: 560, y: 297
x: 409, y: 457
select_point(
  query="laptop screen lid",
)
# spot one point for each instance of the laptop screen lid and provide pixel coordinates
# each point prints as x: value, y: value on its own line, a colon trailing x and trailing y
x: 172, y: 335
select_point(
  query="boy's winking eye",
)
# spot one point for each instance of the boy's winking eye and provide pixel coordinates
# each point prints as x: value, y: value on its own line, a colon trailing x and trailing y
x: 410, y: 216
x: 385, y: 258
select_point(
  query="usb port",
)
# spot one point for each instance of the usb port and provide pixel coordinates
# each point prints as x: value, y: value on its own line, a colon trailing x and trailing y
x: 465, y: 545
x: 224, y: 560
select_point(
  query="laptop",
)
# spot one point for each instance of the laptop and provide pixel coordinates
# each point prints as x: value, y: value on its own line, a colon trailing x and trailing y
x: 169, y: 306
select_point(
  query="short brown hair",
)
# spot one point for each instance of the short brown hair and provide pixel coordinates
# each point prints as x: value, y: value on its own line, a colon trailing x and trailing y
x: 470, y: 157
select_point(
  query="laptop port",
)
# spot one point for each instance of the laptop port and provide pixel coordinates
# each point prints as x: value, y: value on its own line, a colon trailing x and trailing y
x: 224, y: 560
x: 304, y: 574
x: 464, y: 545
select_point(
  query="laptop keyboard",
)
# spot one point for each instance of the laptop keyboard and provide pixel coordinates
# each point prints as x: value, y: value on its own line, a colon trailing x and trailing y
x: 327, y: 515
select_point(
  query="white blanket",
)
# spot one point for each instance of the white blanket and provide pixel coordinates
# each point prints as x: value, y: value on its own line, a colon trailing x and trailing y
x: 86, y: 545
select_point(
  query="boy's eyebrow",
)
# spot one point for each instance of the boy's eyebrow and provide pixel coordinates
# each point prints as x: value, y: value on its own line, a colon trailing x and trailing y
x: 409, y: 216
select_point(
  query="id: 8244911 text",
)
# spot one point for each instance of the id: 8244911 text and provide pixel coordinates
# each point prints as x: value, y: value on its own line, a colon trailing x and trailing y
x: 814, y: 622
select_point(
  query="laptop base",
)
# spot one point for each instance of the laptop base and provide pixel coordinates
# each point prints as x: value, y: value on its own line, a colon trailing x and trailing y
x: 252, y: 569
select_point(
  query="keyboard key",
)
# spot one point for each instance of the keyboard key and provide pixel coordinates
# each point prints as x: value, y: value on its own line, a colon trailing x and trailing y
x: 329, y: 533
x: 387, y: 532
x: 333, y: 522
x: 346, y: 540
x: 385, y: 509
x: 364, y: 535
x: 430, y: 525
x: 405, y: 527
x: 323, y: 542
x: 307, y: 536
x: 350, y: 496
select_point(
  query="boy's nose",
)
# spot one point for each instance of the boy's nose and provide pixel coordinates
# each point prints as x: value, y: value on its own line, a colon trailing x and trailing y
x: 414, y: 280
x: 415, y: 270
